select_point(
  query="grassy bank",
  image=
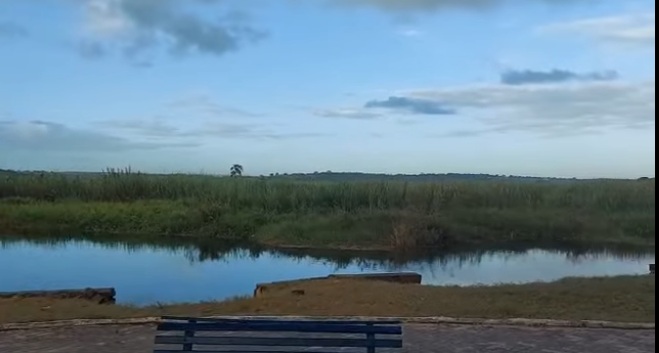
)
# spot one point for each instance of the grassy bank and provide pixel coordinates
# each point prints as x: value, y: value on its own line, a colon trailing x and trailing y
x: 371, y: 215
x: 622, y: 298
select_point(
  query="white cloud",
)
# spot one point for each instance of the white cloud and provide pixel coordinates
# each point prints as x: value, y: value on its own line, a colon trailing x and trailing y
x: 137, y: 27
x: 156, y: 128
x: 25, y: 130
x: 638, y: 29
x: 548, y: 110
x: 105, y: 18
x: 198, y: 117
x: 205, y: 105
x: 551, y: 109
x: 410, y: 6
x: 410, y: 32
x: 347, y: 113
x: 38, y: 135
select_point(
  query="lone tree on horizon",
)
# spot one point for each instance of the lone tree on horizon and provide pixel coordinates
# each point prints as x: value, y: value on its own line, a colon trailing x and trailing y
x: 236, y: 170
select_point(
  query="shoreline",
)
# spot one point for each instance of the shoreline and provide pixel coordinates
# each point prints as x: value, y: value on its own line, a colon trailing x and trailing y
x: 620, y: 298
x: 378, y: 234
x: 198, y: 240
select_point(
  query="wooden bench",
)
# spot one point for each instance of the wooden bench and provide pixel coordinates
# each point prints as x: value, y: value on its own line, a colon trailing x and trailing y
x: 189, y: 334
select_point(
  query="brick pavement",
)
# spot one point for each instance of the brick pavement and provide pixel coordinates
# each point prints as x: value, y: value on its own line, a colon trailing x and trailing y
x: 417, y: 338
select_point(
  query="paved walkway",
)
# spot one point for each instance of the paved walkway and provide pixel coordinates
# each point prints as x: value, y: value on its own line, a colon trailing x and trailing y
x: 417, y: 338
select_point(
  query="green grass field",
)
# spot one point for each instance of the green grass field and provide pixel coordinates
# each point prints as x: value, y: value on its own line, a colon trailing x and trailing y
x: 373, y: 215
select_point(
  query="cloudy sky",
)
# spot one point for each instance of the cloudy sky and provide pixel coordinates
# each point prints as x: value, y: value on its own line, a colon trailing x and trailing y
x: 526, y: 87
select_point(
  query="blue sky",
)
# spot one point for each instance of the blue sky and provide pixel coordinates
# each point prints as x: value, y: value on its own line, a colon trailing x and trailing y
x: 526, y: 87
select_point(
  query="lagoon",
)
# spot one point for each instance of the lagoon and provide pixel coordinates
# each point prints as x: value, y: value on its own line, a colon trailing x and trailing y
x: 152, y: 273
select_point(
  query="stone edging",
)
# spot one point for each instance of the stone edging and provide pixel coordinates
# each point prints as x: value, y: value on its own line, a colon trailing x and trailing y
x: 411, y: 320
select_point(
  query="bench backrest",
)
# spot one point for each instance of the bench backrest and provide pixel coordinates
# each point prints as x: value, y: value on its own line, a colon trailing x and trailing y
x: 188, y: 334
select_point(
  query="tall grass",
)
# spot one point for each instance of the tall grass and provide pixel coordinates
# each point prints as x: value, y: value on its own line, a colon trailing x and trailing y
x: 350, y: 214
x: 295, y: 196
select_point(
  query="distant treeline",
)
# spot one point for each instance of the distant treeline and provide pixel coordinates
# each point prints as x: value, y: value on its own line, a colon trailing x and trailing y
x: 358, y: 176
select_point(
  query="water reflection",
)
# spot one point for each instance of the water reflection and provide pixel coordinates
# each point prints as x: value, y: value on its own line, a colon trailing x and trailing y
x: 196, y: 251
x: 178, y: 270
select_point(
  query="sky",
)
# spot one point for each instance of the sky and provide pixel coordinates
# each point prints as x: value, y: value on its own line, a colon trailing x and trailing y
x: 558, y: 88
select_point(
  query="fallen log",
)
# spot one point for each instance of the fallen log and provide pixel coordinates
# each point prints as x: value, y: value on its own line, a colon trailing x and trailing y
x: 398, y: 277
x: 262, y: 287
x: 98, y: 295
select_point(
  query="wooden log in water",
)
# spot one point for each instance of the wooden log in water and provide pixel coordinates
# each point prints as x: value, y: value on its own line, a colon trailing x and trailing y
x: 398, y: 277
x: 99, y: 295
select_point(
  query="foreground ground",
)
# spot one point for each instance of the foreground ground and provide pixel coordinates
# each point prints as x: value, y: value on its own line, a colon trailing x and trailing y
x: 621, y: 298
x: 416, y: 338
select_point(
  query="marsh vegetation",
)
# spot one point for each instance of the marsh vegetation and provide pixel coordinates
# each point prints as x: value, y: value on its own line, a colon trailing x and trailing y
x: 373, y: 215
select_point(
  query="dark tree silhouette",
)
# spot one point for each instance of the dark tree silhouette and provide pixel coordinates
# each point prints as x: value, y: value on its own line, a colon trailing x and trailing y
x: 236, y: 170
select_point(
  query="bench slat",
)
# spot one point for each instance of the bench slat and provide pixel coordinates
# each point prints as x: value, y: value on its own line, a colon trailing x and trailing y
x: 281, y: 327
x: 205, y: 351
x: 283, y: 320
x: 280, y: 341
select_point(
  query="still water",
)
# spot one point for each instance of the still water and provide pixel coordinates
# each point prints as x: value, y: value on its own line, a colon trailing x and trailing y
x: 145, y: 274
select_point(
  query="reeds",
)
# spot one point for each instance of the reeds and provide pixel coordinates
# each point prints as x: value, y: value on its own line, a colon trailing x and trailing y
x: 281, y: 196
